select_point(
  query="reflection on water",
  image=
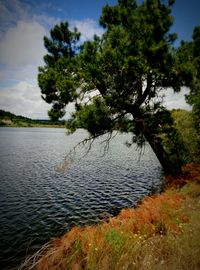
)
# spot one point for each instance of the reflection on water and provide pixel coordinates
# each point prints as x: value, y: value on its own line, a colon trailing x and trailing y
x: 38, y: 202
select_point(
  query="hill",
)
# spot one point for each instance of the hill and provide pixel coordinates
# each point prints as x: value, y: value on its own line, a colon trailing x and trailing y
x: 12, y: 120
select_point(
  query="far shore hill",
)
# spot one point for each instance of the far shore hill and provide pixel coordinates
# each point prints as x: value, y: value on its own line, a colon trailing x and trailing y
x: 8, y: 119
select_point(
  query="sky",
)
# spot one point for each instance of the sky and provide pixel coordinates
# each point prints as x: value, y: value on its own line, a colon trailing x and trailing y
x: 23, y: 24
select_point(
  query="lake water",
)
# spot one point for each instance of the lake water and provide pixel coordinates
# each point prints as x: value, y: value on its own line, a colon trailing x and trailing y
x: 38, y: 202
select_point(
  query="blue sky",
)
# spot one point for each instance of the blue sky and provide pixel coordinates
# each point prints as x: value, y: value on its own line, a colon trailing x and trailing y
x: 23, y: 23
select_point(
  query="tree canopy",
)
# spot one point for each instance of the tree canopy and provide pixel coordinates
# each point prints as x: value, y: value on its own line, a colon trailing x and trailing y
x: 118, y: 77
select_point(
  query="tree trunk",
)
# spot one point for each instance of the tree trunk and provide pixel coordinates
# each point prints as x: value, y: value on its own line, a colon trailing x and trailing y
x: 169, y: 167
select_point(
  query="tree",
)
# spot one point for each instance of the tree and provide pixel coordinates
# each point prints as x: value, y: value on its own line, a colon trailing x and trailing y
x: 194, y: 96
x: 188, y: 139
x: 117, y: 77
x: 189, y: 58
x: 57, y: 78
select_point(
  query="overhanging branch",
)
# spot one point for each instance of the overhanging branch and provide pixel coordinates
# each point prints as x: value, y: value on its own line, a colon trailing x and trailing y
x: 69, y: 157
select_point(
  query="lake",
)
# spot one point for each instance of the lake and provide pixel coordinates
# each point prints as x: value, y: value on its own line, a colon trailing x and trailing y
x: 38, y: 202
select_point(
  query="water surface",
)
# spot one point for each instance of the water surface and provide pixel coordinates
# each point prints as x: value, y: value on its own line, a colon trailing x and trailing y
x: 38, y: 202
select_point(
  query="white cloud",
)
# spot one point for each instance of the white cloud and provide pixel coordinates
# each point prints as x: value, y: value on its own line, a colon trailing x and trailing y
x: 45, y: 20
x: 2, y: 75
x: 26, y: 73
x: 22, y: 28
x: 88, y: 28
x: 23, y: 45
x: 21, y: 52
x: 176, y: 100
x: 12, y: 11
x: 24, y: 99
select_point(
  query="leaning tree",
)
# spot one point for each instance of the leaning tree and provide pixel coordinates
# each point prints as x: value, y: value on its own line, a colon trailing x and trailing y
x: 118, y: 78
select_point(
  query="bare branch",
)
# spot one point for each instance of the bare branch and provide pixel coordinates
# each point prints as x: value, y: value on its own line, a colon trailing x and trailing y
x: 69, y: 157
x: 32, y: 261
x: 107, y: 142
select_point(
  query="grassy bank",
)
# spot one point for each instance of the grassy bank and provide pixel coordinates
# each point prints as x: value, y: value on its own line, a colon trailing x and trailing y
x: 163, y: 232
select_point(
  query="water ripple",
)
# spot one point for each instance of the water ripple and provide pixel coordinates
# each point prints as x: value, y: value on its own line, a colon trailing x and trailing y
x: 37, y: 202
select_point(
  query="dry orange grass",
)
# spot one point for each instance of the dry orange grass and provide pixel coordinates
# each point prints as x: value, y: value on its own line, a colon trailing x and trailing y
x: 121, y: 242
x: 191, y: 172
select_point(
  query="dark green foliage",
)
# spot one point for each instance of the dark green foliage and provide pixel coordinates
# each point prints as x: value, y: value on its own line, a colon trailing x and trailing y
x: 7, y: 118
x: 8, y: 115
x: 63, y: 43
x: 95, y: 118
x: 115, y: 80
x: 57, y: 79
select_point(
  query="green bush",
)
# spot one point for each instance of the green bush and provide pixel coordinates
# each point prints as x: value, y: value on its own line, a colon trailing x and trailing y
x: 186, y: 137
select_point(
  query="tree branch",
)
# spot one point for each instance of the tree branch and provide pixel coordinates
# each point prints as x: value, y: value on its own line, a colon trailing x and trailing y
x: 69, y: 157
x: 146, y: 92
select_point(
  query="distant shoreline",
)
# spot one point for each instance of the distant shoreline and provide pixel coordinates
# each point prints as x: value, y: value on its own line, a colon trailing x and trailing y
x: 32, y: 126
x: 8, y: 119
